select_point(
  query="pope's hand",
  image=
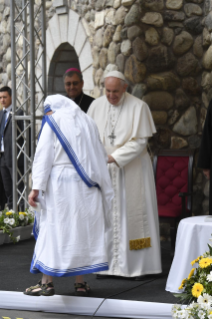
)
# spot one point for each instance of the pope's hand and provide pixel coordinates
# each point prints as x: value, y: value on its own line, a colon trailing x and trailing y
x: 110, y: 159
x: 32, y: 197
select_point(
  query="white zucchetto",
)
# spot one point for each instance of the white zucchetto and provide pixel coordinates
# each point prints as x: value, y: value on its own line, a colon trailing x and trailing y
x: 115, y: 74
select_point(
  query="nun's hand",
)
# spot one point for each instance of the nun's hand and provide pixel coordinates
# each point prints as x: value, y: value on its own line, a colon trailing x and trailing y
x: 32, y: 197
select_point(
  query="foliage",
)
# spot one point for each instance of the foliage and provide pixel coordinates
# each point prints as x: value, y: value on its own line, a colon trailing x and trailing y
x: 9, y: 220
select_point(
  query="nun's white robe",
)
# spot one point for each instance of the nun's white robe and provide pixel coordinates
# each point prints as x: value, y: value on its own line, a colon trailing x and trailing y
x: 72, y: 229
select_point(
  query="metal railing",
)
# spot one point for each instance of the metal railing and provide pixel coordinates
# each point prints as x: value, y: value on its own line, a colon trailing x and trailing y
x: 28, y: 78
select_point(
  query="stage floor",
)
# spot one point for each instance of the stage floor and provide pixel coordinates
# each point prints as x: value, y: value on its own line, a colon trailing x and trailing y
x: 15, y: 276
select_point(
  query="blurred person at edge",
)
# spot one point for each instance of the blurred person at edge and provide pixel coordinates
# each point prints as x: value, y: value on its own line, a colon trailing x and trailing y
x: 6, y: 160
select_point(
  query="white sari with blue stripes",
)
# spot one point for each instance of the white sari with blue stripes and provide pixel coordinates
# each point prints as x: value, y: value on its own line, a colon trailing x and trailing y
x: 73, y: 177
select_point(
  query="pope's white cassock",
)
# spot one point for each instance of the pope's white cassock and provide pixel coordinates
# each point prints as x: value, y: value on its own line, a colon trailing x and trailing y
x: 134, y: 249
x: 76, y: 194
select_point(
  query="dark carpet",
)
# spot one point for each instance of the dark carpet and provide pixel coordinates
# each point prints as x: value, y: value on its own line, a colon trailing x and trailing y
x: 15, y: 276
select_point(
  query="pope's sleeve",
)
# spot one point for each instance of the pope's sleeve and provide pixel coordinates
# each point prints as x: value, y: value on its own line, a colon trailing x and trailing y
x: 129, y: 151
x: 43, y: 160
x: 204, y: 160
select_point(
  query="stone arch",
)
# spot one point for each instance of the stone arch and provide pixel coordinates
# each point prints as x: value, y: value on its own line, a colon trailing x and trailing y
x: 67, y: 32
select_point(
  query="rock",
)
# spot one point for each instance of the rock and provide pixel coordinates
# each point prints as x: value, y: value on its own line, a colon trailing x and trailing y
x: 207, y: 189
x: 181, y: 99
x: 160, y: 59
x: 140, y: 49
x: 9, y: 68
x: 178, y: 142
x: 166, y: 81
x: 194, y: 25
x: 206, y: 39
x: 205, y: 99
x: 109, y: 18
x: 108, y: 35
x: 194, y: 141
x: 167, y: 36
x: 112, y: 52
x: 135, y: 71
x: 120, y: 61
x: 159, y: 100
x: 191, y: 86
x: 174, y: 24
x: 133, y: 16
x: 99, y: 19
x: 174, y: 117
x: 203, y: 113
x: 95, y: 53
x: 6, y: 12
x: 103, y: 58
x: 119, y: 16
x: 96, y: 92
x: 98, y: 77
x: 152, y: 37
x: 208, y: 21
x: 109, y: 3
x: 195, y: 1
x: 174, y: 4
x: 99, y: 4
x: 127, y: 3
x: 3, y: 27
x: 110, y: 67
x: 153, y: 18
x: 197, y: 47
x: 187, y: 65
x: 126, y: 47
x: 8, y: 55
x: 187, y: 124
x: 117, y: 34
x: 133, y: 32
x: 192, y: 9
x: 182, y: 43
x: 116, y: 4
x: 159, y: 117
x: 164, y: 137
x: 174, y: 15
x: 139, y: 90
x: 178, y: 31
x: 207, y: 61
x: 98, y: 38
x: 206, y: 81
x: 124, y: 34
x: 154, y: 5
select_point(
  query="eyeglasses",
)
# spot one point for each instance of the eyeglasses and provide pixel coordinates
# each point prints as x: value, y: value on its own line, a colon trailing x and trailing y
x: 75, y: 83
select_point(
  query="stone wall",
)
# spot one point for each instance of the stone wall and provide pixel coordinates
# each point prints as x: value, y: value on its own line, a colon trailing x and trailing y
x: 164, y: 49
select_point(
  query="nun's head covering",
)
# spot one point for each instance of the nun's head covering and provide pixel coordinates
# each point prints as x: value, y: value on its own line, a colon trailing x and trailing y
x: 57, y: 102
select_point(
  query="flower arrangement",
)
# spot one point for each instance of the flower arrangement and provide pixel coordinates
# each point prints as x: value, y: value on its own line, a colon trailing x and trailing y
x: 9, y: 220
x: 197, y: 290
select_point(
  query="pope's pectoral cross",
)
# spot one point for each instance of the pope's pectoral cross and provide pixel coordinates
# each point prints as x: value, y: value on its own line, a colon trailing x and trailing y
x: 112, y: 138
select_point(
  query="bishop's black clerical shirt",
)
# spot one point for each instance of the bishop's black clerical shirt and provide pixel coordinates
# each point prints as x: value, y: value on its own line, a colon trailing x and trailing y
x: 84, y: 101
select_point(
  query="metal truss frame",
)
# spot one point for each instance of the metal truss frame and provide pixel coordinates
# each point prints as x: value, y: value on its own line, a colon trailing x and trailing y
x: 26, y: 80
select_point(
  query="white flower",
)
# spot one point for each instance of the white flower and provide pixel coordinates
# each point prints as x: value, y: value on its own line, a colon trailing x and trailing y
x: 201, y: 314
x: 209, y: 277
x: 21, y: 217
x: 209, y: 316
x: 18, y: 238
x: 12, y: 221
x: 11, y: 211
x: 0, y: 214
x: 181, y: 314
x: 6, y: 220
x: 205, y: 299
x: 26, y: 218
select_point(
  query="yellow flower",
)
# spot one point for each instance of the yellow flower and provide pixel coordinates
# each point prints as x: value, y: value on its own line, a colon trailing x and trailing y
x: 9, y: 213
x: 191, y: 273
x: 182, y: 284
x: 197, y: 289
x: 205, y: 262
x: 22, y: 213
x: 210, y: 313
x: 195, y: 260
